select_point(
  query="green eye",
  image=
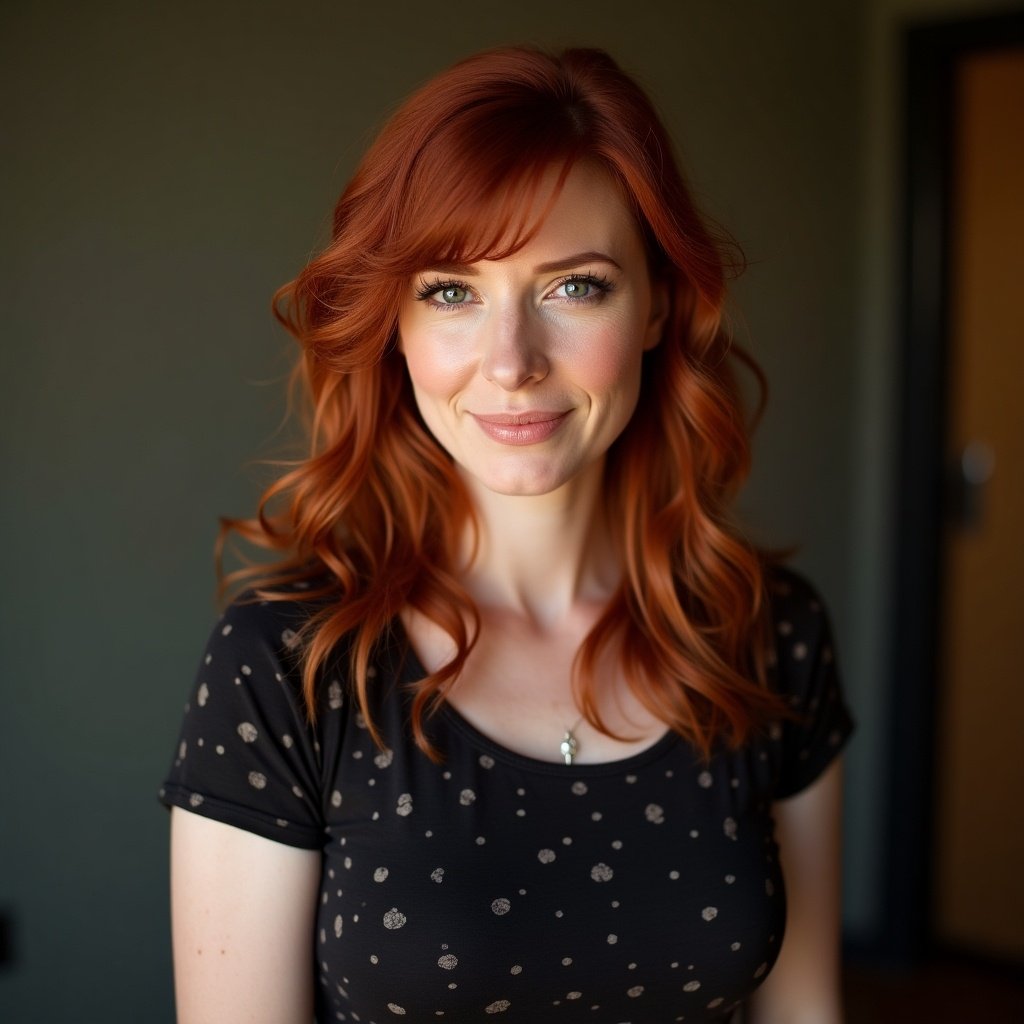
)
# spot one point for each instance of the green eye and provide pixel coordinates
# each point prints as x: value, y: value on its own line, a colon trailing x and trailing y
x: 452, y: 294
x: 576, y: 289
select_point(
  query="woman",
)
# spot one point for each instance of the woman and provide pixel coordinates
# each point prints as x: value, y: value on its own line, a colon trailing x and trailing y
x: 519, y: 724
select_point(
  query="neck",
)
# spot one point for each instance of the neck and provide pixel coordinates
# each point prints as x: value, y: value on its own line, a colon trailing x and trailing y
x: 546, y: 556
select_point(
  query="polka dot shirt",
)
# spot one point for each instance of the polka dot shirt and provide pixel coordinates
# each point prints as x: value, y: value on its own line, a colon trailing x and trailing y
x: 639, y: 891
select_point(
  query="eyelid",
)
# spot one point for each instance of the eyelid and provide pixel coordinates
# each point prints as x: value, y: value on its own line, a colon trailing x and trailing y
x: 600, y: 282
x: 426, y: 289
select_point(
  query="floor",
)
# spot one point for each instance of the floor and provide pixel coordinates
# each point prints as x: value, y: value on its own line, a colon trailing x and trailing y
x: 945, y: 991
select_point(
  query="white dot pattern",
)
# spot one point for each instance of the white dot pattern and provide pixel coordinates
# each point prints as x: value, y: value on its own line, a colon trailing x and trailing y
x: 493, y: 885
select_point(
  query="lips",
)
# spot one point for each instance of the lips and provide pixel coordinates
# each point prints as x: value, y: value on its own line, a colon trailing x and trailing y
x: 520, y: 428
x: 518, y: 418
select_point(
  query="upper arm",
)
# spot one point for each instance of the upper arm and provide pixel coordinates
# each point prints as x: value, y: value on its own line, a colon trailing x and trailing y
x: 243, y: 917
x: 804, y: 985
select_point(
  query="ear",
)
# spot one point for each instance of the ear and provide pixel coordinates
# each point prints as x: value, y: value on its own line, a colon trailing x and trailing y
x: 660, y: 302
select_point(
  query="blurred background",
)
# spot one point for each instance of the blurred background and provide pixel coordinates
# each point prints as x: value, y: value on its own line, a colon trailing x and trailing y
x: 166, y: 166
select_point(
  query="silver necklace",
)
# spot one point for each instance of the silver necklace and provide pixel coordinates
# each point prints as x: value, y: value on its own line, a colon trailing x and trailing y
x: 570, y: 746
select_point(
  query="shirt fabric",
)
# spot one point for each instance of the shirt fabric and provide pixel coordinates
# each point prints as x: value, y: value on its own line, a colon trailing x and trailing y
x: 638, y: 891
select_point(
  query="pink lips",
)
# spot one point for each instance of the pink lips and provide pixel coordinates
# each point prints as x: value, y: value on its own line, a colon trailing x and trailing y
x: 520, y: 428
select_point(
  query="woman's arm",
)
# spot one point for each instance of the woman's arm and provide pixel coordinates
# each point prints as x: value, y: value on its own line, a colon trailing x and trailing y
x: 243, y: 915
x: 804, y: 986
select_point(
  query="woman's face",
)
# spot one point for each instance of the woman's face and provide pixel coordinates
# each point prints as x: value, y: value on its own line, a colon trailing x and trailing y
x: 526, y: 369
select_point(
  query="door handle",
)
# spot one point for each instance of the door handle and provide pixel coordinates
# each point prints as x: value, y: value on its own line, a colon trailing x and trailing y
x: 969, y: 479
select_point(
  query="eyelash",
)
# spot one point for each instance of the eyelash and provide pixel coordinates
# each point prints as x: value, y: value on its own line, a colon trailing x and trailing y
x: 427, y: 289
x: 602, y: 284
x: 599, y: 281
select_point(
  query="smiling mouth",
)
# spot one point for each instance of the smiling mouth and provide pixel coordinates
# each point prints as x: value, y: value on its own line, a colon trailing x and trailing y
x: 520, y: 428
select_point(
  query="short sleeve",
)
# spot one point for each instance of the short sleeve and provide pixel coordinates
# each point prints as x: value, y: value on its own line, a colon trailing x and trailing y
x: 808, y: 678
x: 246, y: 754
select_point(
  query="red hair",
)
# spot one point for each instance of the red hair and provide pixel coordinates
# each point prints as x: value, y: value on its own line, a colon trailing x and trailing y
x: 371, y: 517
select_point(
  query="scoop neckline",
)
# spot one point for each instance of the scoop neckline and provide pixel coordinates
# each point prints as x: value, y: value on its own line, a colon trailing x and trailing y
x: 414, y: 670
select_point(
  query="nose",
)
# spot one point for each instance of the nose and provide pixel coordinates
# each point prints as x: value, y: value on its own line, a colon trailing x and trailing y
x: 513, y: 351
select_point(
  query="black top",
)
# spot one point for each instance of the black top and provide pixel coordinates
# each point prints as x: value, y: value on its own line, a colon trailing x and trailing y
x: 643, y: 890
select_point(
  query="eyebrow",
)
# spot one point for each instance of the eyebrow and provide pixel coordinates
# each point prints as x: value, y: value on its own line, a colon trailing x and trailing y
x: 574, y: 261
x: 553, y: 266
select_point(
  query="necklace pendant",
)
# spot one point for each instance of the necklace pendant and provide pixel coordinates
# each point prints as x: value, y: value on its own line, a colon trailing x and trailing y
x: 569, y: 746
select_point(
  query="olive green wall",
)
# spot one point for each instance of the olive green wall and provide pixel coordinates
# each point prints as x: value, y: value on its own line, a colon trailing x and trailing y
x: 165, y: 167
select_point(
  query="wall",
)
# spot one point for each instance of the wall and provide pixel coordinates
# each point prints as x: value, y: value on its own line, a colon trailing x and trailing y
x: 165, y: 168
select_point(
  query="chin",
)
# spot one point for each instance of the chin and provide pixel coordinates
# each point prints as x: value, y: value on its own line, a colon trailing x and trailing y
x: 516, y: 483
x: 522, y: 488
x: 524, y: 492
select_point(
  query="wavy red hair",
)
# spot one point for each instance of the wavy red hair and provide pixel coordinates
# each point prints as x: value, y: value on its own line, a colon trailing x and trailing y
x: 371, y: 517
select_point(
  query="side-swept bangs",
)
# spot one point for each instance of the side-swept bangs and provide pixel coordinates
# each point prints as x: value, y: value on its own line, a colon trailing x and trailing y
x: 475, y: 188
x: 467, y: 210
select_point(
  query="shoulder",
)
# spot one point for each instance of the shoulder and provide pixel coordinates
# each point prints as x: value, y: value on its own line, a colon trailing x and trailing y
x: 805, y: 675
x: 801, y: 624
x: 792, y: 596
x: 253, y: 660
x: 269, y: 630
x: 256, y: 623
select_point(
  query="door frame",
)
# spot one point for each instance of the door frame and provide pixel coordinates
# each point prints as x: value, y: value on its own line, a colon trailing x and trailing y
x: 931, y: 53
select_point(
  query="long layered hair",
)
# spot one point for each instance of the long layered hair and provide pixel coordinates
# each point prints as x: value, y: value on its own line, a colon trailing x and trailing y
x: 372, y: 517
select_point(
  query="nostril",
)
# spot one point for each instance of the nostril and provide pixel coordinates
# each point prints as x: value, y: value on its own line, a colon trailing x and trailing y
x: 511, y: 365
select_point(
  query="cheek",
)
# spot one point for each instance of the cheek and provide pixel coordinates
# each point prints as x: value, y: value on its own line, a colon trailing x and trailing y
x: 434, y: 369
x: 609, y: 361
